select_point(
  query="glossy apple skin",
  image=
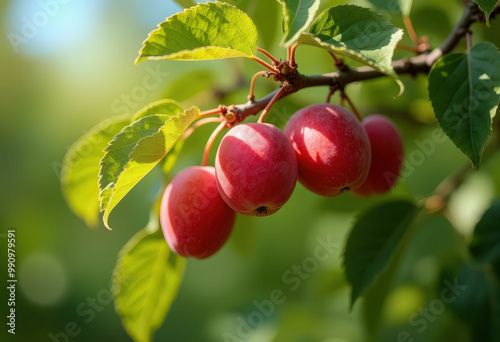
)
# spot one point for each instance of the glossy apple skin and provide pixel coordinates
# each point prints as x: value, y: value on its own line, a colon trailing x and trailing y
x: 387, y: 155
x: 256, y: 169
x: 194, y: 218
x: 332, y: 148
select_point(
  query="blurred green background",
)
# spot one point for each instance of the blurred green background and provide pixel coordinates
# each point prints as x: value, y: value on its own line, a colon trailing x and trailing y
x: 74, y: 67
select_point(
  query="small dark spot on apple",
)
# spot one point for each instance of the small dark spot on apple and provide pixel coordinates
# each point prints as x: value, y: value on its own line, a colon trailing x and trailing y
x: 261, y: 211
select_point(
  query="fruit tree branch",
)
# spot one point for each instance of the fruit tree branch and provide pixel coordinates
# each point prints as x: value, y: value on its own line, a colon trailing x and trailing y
x: 410, y: 66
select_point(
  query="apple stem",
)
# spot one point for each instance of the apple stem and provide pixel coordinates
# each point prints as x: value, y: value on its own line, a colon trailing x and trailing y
x: 411, y: 30
x: 268, y: 55
x: 334, y: 57
x: 265, y: 73
x: 331, y: 91
x: 468, y: 39
x: 270, y: 104
x: 343, y: 96
x: 339, y: 63
x: 210, y: 142
x: 266, y: 65
x: 289, y: 53
x: 291, y: 58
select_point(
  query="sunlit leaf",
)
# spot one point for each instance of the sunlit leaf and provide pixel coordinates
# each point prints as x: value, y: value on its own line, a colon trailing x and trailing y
x: 165, y: 106
x: 465, y: 90
x: 135, y: 151
x: 80, y: 172
x: 357, y: 33
x: 298, y: 15
x: 373, y: 242
x: 208, y: 31
x: 146, y: 280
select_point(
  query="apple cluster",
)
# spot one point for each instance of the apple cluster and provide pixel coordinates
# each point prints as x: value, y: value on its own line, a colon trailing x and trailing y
x: 257, y: 166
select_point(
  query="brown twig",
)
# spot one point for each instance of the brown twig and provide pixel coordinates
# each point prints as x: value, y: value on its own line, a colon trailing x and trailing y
x: 439, y: 199
x: 410, y: 66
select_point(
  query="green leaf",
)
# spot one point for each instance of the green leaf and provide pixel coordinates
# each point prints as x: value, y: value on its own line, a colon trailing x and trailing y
x: 487, y: 6
x: 474, y: 295
x: 357, y: 33
x: 135, y: 151
x: 80, y: 171
x: 485, y: 245
x: 146, y: 280
x: 465, y: 90
x: 186, y: 3
x: 373, y: 241
x: 208, y: 31
x: 298, y: 15
x: 398, y: 6
x: 165, y: 106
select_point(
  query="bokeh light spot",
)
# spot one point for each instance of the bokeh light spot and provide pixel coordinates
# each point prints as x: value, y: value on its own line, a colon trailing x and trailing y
x: 42, y: 279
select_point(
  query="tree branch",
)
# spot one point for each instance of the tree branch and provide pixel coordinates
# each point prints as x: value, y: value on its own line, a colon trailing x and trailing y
x: 411, y: 66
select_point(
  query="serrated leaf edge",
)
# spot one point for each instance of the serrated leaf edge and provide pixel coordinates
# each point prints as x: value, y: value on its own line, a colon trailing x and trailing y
x: 136, y: 117
x: 398, y: 35
x: 106, y: 211
x: 141, y: 58
x: 362, y: 59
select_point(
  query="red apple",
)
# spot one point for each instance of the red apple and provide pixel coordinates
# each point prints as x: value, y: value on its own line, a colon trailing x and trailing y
x: 387, y: 155
x: 194, y: 218
x: 256, y: 169
x: 332, y: 148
